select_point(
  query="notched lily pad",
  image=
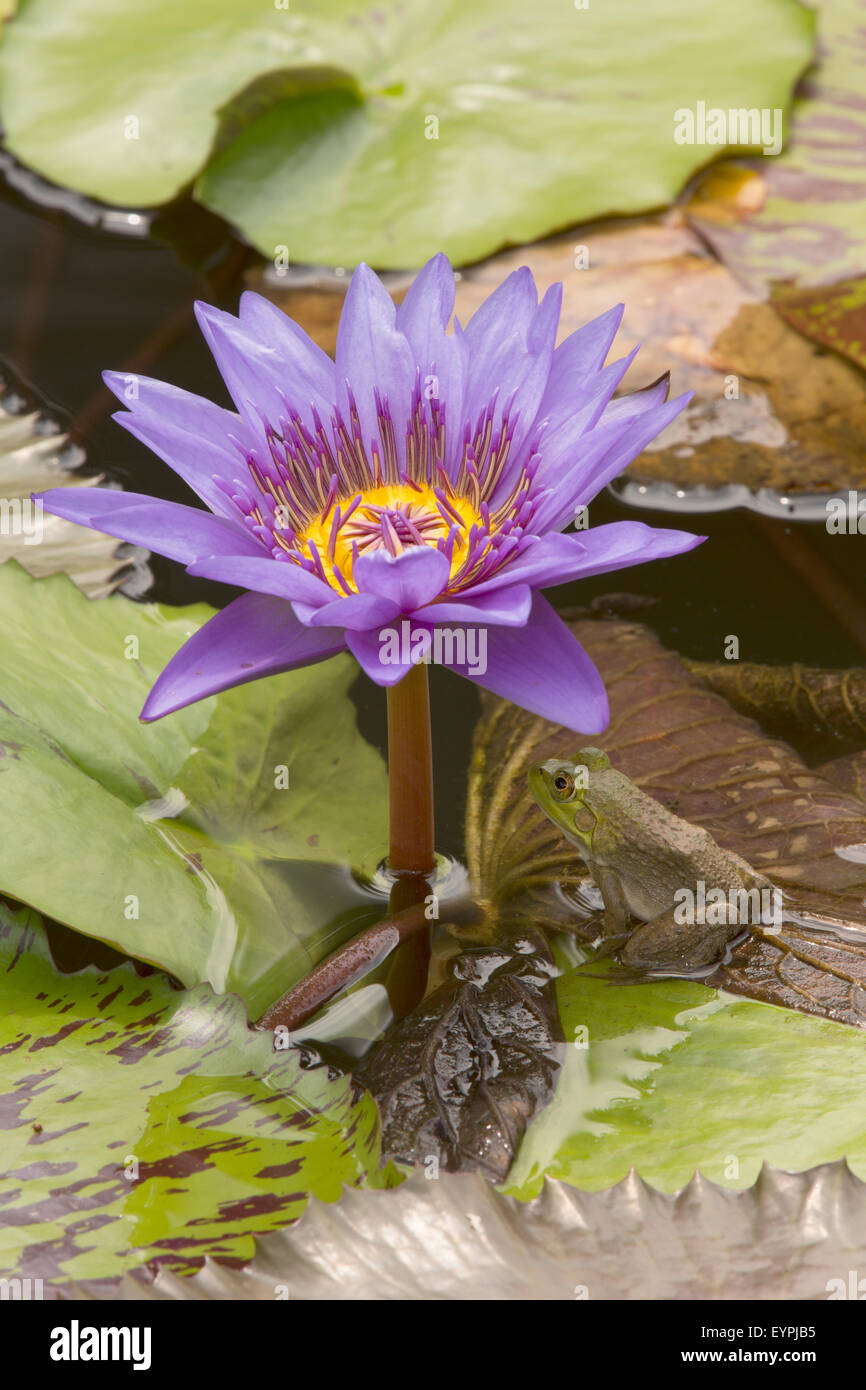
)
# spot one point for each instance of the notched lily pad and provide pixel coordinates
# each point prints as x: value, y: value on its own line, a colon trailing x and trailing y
x: 479, y: 125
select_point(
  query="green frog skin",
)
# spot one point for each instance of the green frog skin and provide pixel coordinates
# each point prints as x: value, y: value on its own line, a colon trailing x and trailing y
x: 639, y: 856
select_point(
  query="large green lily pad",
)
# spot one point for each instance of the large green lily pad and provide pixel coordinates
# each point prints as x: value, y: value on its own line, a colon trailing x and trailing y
x: 345, y: 131
x: 143, y: 1123
x: 178, y: 842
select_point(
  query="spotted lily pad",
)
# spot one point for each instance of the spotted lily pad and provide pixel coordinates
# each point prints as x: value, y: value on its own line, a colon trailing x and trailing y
x: 834, y: 315
x: 209, y: 843
x: 345, y: 132
x: 803, y: 220
x: 145, y: 1123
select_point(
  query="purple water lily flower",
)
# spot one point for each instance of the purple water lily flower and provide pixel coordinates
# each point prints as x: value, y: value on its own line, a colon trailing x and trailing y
x: 424, y: 475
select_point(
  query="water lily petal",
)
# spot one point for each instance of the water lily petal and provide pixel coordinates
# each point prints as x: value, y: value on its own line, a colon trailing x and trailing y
x: 557, y: 558
x: 145, y: 395
x: 263, y: 321
x: 411, y: 579
x: 509, y: 605
x: 563, y: 445
x: 543, y: 668
x: 281, y: 578
x: 427, y: 305
x: 356, y: 611
x: 639, y: 402
x: 372, y: 650
x: 508, y: 311
x: 604, y: 453
x: 373, y: 355
x: 441, y: 357
x: 170, y: 528
x: 576, y: 361
x: 564, y: 479
x: 267, y: 377
x: 190, y: 433
x: 255, y: 636
x: 643, y: 427
x: 588, y: 410
x: 509, y: 341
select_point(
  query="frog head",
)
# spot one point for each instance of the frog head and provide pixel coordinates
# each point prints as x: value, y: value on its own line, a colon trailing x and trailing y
x: 563, y: 790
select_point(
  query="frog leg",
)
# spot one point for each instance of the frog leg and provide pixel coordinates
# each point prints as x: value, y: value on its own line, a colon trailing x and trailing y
x: 616, y: 913
x: 669, y: 946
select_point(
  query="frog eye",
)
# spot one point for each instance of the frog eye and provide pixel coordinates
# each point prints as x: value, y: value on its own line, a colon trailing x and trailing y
x: 563, y: 786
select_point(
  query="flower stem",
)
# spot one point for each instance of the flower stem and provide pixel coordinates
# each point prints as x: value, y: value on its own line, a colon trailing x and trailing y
x: 410, y: 770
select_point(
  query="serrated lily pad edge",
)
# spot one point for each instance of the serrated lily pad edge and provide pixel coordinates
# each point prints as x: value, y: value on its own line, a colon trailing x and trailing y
x: 789, y: 1235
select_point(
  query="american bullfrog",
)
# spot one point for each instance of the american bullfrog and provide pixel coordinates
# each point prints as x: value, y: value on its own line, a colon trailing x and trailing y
x: 693, y: 897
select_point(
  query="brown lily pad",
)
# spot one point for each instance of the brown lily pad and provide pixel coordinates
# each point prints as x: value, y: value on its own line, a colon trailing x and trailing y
x: 685, y: 745
x: 802, y: 703
x: 458, y: 1081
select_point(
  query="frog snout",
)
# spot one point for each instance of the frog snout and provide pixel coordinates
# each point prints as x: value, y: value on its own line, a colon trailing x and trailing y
x: 539, y: 780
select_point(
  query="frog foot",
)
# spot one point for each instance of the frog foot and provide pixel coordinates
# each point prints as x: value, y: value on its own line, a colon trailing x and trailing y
x: 610, y: 944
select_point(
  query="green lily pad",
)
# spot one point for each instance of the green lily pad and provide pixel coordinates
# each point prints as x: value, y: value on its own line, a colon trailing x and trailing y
x: 671, y: 1077
x: 143, y: 1123
x: 178, y: 842
x: 387, y: 133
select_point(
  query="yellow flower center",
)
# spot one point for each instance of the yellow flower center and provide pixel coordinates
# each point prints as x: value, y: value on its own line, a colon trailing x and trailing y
x: 391, y: 517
